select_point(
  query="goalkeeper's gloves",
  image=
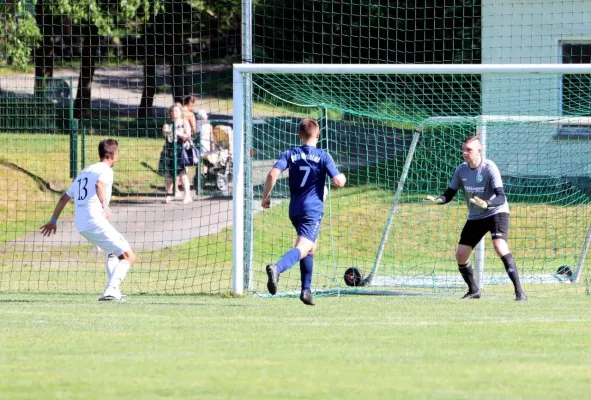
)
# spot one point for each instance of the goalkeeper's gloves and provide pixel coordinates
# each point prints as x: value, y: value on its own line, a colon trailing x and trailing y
x: 431, y: 201
x: 478, y: 202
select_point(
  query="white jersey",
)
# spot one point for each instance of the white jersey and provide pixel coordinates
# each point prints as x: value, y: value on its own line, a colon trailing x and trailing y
x: 88, y: 208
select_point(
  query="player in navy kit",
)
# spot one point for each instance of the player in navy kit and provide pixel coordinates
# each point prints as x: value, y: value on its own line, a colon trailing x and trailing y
x: 308, y: 167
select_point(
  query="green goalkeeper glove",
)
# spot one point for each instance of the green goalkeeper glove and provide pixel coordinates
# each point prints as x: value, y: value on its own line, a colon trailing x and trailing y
x: 477, y: 201
x: 431, y: 201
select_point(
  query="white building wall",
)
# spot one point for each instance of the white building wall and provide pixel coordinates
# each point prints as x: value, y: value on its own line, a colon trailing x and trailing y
x: 524, y: 32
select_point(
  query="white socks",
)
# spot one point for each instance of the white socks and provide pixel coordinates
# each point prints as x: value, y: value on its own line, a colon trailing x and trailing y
x: 111, y: 264
x: 120, y: 273
x: 116, y: 278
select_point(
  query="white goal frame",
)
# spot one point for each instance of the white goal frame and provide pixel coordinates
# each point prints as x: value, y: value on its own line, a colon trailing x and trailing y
x: 242, y: 98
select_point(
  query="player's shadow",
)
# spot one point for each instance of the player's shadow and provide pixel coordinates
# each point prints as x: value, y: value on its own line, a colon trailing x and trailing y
x: 149, y: 167
x: 41, y: 183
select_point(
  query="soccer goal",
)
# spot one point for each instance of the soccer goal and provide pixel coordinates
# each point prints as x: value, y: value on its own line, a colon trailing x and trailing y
x: 396, y: 132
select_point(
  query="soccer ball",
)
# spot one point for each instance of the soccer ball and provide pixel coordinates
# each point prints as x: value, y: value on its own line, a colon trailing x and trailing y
x: 353, y: 277
x: 564, y: 270
x: 564, y: 273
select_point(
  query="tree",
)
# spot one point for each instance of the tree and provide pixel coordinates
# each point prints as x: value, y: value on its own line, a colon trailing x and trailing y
x: 164, y: 27
x: 20, y: 33
x: 165, y: 39
x: 381, y: 31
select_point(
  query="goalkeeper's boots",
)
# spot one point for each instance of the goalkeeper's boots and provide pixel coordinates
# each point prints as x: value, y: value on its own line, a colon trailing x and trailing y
x: 472, y: 295
x: 306, y: 298
x: 273, y: 278
x: 520, y: 296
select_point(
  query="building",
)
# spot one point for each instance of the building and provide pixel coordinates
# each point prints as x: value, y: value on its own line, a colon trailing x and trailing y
x: 531, y: 32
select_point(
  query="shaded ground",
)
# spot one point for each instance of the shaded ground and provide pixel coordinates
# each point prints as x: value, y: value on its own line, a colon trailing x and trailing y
x: 118, y: 90
x: 150, y: 225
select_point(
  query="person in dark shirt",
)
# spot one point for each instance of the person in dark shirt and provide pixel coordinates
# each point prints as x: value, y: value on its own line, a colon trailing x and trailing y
x: 488, y: 211
x: 308, y: 167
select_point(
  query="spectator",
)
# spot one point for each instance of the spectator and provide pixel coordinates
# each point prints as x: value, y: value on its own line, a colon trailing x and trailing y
x: 188, y: 114
x: 204, y: 132
x: 166, y: 167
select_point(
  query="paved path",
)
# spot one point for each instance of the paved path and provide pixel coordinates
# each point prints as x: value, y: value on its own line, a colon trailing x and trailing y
x: 151, y: 225
x: 119, y: 89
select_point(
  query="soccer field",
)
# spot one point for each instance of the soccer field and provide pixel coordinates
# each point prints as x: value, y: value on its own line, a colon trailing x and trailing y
x: 71, y: 346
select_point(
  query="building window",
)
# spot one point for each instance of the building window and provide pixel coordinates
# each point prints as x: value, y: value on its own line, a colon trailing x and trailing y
x: 576, y: 90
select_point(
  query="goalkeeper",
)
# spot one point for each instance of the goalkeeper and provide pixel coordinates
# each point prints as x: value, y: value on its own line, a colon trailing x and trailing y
x: 488, y: 211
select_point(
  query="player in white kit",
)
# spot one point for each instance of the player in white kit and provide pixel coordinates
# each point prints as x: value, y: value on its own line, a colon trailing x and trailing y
x: 91, y: 191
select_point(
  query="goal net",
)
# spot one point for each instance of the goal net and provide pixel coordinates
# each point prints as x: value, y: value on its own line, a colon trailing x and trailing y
x: 396, y: 131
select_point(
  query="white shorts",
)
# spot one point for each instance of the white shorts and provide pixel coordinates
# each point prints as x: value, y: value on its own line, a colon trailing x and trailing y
x: 107, y: 239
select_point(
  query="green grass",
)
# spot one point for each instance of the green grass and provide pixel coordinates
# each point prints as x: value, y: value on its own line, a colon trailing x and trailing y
x: 62, y: 347
x: 28, y: 196
x: 9, y: 70
x: 47, y: 157
x: 110, y: 61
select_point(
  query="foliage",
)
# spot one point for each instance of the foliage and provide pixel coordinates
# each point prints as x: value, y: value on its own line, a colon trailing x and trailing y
x: 399, y: 31
x: 105, y: 14
x: 25, y: 26
x: 20, y: 33
x: 218, y: 15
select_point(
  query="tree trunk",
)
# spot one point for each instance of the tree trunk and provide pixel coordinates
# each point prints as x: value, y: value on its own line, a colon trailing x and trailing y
x: 178, y: 70
x: 43, y: 54
x: 90, y: 37
x: 146, y: 109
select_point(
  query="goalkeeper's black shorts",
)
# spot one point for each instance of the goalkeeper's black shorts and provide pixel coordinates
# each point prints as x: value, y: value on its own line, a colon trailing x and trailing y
x: 475, y: 229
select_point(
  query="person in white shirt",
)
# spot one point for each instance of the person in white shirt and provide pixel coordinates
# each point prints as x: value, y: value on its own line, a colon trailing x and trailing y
x: 204, y: 131
x: 205, y: 135
x: 91, y: 191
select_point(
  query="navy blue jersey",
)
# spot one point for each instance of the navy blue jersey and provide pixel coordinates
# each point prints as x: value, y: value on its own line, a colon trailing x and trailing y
x: 308, y: 167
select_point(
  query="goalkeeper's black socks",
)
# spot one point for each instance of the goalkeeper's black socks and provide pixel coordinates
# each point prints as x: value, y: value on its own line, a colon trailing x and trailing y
x: 511, y: 269
x: 468, y: 274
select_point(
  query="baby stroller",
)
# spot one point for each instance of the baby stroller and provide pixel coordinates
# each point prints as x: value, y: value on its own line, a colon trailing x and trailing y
x: 216, y: 165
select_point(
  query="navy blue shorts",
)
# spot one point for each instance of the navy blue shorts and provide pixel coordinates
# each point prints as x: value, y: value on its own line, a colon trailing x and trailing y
x: 308, y: 227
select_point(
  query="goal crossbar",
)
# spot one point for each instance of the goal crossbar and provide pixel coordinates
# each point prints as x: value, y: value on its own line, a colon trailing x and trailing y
x: 414, y: 69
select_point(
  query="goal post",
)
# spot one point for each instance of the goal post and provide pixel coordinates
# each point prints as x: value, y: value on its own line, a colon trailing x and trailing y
x: 381, y: 115
x: 238, y: 183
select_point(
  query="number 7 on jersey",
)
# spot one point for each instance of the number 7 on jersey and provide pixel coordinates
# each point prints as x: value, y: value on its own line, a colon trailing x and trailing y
x: 307, y: 169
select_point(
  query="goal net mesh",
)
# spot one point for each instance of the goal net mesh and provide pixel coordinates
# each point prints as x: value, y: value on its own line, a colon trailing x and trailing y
x: 535, y: 128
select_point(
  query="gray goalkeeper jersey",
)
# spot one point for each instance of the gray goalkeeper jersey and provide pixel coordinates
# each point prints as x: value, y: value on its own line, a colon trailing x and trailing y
x: 480, y: 181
